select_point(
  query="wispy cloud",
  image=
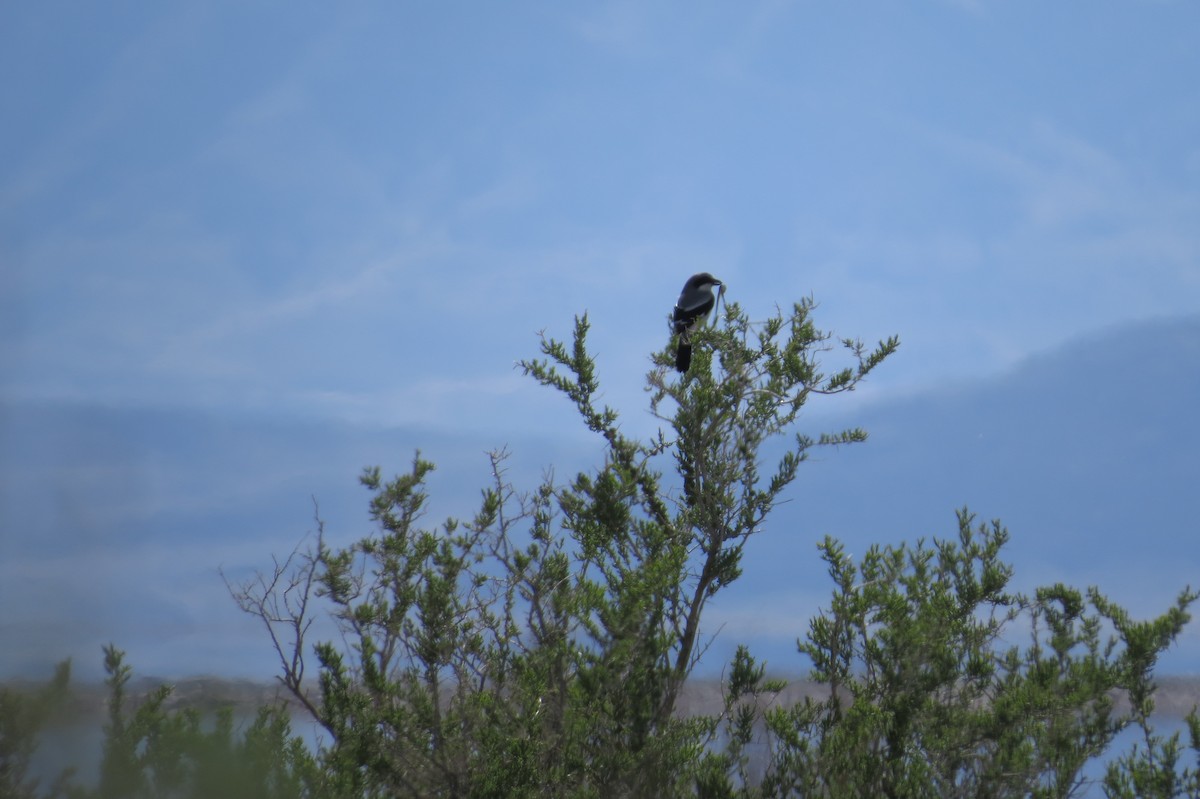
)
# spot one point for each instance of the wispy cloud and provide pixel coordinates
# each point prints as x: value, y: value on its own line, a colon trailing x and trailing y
x: 623, y: 27
x: 975, y: 7
x: 436, y: 402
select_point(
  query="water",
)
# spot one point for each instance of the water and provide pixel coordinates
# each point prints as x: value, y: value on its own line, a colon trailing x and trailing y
x: 77, y: 741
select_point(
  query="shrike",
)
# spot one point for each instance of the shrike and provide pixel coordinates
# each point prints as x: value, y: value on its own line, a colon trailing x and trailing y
x: 695, y: 303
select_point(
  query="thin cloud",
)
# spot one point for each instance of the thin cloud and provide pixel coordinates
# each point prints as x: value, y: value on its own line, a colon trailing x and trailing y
x: 623, y: 27
x: 439, y: 402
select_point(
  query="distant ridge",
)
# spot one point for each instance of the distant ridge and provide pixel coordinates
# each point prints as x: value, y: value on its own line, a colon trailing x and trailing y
x: 1175, y: 697
x: 113, y: 521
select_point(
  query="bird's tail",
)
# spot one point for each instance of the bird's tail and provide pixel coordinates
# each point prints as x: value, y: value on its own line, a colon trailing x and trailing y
x: 683, y: 356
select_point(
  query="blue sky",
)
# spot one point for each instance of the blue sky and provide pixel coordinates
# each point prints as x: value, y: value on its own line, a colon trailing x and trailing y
x: 363, y: 214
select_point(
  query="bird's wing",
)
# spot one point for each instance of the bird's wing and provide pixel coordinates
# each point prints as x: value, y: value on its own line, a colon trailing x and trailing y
x: 695, y: 302
x: 693, y: 309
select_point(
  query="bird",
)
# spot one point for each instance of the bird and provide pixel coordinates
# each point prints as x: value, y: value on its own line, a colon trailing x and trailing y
x: 695, y: 303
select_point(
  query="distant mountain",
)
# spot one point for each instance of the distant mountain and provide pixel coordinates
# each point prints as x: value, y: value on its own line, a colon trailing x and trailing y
x: 114, y: 521
x: 1089, y: 454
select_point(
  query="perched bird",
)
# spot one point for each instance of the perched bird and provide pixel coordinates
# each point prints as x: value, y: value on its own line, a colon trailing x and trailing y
x: 695, y: 303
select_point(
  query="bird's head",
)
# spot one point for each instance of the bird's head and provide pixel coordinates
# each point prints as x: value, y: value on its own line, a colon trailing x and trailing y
x: 702, y: 279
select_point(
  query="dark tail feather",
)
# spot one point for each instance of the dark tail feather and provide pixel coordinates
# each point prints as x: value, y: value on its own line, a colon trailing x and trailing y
x: 683, y: 357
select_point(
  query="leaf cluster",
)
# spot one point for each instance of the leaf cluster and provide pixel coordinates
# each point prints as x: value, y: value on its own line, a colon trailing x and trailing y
x: 151, y: 751
x: 925, y: 694
x: 540, y: 648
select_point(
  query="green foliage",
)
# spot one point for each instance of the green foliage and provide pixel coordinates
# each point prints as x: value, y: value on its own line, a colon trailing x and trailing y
x: 23, y: 715
x: 150, y: 751
x: 1152, y: 768
x: 924, y: 697
x: 540, y: 649
x: 727, y: 771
